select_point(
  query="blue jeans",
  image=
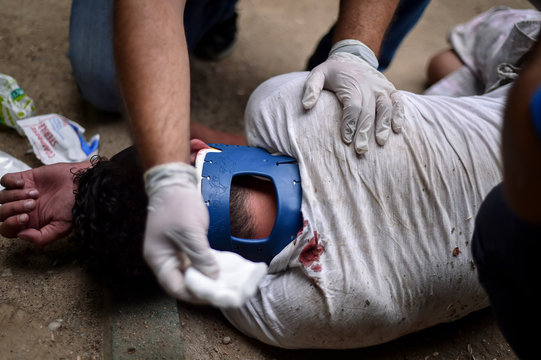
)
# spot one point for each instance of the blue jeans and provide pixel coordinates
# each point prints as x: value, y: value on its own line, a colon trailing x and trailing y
x: 406, y: 16
x: 506, y: 252
x: 91, y: 44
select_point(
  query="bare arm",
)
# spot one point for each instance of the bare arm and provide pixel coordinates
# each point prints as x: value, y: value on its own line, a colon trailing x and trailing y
x: 522, y: 145
x: 154, y: 76
x: 153, y: 67
x: 364, y: 20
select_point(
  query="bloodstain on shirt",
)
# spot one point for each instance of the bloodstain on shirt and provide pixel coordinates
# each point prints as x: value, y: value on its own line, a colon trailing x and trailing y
x: 311, y: 253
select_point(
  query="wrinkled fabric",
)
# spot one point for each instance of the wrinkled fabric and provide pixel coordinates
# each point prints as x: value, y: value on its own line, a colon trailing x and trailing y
x: 386, y: 245
x: 385, y: 249
x: 492, y: 47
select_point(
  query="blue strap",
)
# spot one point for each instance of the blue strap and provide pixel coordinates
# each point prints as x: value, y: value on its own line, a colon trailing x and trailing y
x: 86, y: 147
x: 535, y: 110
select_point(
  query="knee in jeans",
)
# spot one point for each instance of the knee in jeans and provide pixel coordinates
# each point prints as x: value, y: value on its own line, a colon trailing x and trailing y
x: 97, y: 86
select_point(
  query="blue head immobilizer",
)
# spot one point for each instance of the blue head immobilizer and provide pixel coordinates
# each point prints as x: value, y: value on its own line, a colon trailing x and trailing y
x: 218, y: 170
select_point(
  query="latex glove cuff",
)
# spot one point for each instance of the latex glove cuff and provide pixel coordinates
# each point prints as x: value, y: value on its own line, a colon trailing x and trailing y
x: 356, y: 48
x: 177, y: 173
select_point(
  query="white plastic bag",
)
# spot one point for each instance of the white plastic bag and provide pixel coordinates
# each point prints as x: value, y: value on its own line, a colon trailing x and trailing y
x: 9, y: 164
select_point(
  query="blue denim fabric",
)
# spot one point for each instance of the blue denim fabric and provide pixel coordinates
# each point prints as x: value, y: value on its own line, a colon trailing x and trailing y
x: 406, y: 16
x: 91, y: 44
x: 535, y: 110
x: 91, y: 41
x: 91, y: 53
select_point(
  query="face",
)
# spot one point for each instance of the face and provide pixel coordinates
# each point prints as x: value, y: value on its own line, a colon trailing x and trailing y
x: 260, y: 199
x: 261, y: 203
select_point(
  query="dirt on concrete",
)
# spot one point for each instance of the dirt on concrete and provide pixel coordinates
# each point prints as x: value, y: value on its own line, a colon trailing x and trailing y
x: 51, y: 309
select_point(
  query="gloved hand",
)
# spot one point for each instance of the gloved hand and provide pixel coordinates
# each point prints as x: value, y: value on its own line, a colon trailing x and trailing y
x: 176, y: 228
x: 177, y: 249
x: 367, y: 97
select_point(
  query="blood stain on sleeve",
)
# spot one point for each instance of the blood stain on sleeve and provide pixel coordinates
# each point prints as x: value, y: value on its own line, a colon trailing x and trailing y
x: 311, y: 253
x: 316, y: 268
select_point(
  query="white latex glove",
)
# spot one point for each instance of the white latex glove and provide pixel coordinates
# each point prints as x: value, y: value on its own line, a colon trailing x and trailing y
x: 176, y: 228
x: 367, y: 97
x: 237, y: 281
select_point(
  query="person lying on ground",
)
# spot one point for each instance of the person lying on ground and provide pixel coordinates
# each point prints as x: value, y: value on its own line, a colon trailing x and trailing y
x: 384, y: 248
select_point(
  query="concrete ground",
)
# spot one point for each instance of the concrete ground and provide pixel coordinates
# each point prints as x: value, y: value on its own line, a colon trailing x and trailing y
x: 42, y: 288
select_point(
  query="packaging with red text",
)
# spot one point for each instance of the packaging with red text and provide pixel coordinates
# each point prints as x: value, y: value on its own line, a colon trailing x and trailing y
x: 56, y: 139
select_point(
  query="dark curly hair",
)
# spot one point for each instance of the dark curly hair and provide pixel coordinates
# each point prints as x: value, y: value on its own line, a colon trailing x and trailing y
x: 109, y: 217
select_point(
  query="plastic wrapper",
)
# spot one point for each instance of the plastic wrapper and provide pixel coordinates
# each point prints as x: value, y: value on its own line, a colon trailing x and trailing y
x: 56, y: 139
x: 9, y: 164
x: 14, y: 103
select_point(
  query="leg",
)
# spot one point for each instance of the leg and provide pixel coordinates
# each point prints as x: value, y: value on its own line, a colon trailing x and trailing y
x: 406, y: 16
x: 91, y: 44
x: 91, y: 53
x: 215, y: 38
x: 505, y: 250
x: 322, y: 50
x: 441, y: 65
x: 200, y: 16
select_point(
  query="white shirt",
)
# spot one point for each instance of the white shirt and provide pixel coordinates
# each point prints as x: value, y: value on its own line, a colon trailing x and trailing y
x: 386, y: 245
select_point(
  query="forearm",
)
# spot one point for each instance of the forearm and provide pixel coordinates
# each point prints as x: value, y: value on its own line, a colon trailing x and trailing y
x: 364, y: 20
x: 153, y: 68
x: 522, y: 144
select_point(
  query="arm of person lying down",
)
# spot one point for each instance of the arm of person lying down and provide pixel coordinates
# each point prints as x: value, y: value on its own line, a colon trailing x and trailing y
x: 36, y: 204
